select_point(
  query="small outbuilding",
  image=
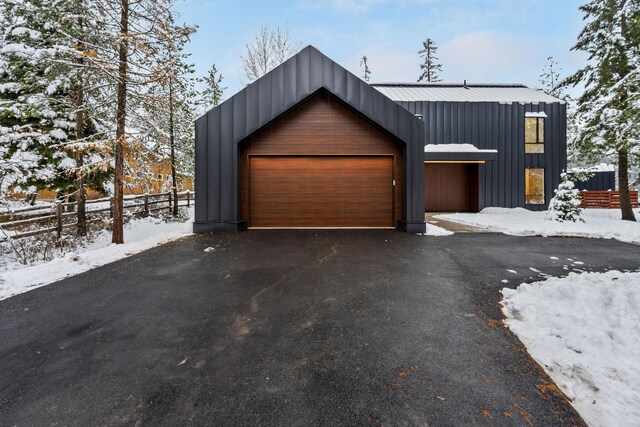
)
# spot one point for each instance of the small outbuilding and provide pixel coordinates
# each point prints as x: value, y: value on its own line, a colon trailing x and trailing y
x: 309, y: 144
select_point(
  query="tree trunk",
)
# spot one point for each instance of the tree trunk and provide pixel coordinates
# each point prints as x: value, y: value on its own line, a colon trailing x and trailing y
x: 117, y: 235
x: 174, y: 180
x: 81, y: 195
x: 623, y: 184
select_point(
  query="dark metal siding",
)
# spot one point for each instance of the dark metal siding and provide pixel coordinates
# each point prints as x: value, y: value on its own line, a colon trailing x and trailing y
x: 499, y: 126
x: 600, y: 181
x: 219, y: 132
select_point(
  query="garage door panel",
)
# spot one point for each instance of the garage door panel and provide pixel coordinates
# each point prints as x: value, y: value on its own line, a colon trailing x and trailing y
x: 321, y: 191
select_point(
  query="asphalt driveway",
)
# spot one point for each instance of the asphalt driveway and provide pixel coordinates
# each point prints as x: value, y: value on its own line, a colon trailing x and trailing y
x: 290, y: 327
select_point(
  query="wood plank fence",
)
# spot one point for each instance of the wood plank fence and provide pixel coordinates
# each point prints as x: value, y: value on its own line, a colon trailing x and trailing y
x: 605, y: 199
x: 56, y: 217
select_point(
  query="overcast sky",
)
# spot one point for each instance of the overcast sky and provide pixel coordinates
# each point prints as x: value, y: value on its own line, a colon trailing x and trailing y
x: 502, y: 41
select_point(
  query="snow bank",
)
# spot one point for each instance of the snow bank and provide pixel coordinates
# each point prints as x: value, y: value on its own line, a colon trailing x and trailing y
x: 598, y: 223
x: 139, y: 235
x: 584, y: 330
x: 434, y: 230
x: 455, y: 148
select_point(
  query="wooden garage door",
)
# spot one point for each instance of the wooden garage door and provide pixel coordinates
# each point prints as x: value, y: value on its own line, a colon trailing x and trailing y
x: 451, y: 187
x: 321, y: 191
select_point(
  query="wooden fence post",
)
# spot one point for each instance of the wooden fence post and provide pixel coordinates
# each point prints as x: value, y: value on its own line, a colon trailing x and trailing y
x: 59, y: 221
x: 188, y: 199
x: 146, y: 204
x: 169, y: 193
x: 111, y: 203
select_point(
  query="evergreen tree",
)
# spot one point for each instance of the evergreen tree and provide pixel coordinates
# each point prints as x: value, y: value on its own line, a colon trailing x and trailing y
x: 550, y: 79
x: 565, y: 204
x: 47, y: 112
x: 80, y: 65
x: 167, y: 124
x: 609, y: 110
x: 33, y: 119
x: 430, y: 66
x: 213, y: 90
x: 129, y: 47
x: 551, y: 84
x: 366, y: 73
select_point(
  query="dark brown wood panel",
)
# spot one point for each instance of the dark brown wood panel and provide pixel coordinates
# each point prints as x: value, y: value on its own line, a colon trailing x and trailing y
x: 321, y: 191
x: 451, y: 187
x: 320, y: 126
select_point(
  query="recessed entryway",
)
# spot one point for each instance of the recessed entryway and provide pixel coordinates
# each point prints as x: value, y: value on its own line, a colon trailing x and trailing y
x: 451, y: 187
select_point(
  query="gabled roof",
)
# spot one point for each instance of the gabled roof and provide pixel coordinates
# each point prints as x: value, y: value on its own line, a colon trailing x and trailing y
x: 293, y: 81
x: 464, y: 92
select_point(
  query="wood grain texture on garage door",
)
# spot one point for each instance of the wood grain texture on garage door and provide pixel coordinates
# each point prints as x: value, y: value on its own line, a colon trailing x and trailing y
x: 451, y: 187
x: 320, y: 126
x: 321, y: 191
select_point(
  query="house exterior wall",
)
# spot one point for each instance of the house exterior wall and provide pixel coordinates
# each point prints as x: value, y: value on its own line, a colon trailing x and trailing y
x: 600, y: 181
x: 492, y: 125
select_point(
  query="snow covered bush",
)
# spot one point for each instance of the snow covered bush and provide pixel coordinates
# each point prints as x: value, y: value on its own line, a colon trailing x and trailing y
x: 565, y: 205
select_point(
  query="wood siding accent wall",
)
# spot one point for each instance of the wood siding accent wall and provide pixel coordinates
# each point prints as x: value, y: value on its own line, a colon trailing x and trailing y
x: 321, y: 126
x: 451, y: 187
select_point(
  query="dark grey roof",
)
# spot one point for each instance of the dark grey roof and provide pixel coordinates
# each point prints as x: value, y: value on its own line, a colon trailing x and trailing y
x: 296, y: 79
x: 461, y: 92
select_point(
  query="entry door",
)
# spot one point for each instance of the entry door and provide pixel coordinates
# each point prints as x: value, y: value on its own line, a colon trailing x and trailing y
x: 321, y: 191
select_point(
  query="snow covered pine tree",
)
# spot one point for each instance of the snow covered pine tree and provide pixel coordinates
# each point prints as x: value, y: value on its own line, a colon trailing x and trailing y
x: 33, y: 119
x: 609, y: 109
x: 565, y: 204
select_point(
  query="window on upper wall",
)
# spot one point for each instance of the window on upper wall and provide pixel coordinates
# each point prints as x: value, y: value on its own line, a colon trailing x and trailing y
x: 534, y: 135
x: 534, y: 186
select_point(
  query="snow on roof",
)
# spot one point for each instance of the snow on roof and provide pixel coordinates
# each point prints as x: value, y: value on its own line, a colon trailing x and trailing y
x: 602, y: 167
x: 461, y: 92
x: 455, y: 148
x: 535, y: 114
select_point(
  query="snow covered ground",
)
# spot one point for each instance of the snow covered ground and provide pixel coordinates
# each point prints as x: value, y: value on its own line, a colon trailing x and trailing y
x: 139, y: 235
x: 584, y: 329
x: 599, y: 223
x: 434, y: 230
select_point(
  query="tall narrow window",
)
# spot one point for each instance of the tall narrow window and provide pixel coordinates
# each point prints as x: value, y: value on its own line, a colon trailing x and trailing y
x: 534, y: 134
x: 534, y: 186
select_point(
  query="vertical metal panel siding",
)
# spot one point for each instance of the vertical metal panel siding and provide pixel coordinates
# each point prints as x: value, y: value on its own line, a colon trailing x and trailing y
x: 213, y: 137
x: 600, y: 181
x: 302, y: 74
x: 264, y: 100
x: 499, y: 126
x: 277, y: 89
x: 201, y: 165
x: 226, y: 161
x: 221, y: 130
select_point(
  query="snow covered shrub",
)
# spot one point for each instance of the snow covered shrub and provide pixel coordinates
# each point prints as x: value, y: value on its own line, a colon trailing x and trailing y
x: 565, y: 205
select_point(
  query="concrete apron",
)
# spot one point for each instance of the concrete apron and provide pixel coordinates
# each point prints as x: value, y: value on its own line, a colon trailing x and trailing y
x: 430, y: 218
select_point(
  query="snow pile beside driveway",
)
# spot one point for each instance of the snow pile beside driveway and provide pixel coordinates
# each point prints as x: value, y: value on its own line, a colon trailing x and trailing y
x: 584, y: 330
x: 598, y: 223
x: 434, y: 230
x: 139, y: 235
